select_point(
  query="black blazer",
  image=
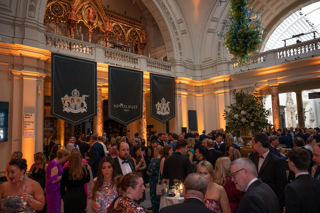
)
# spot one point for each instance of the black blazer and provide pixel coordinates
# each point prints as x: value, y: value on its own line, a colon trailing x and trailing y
x: 96, y: 153
x: 222, y: 147
x: 190, y: 205
x: 258, y: 198
x: 117, y: 168
x: 273, y: 173
x: 303, y: 195
x: 213, y: 155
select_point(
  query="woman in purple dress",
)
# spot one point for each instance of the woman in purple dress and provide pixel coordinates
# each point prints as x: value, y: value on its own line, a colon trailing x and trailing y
x: 54, y: 174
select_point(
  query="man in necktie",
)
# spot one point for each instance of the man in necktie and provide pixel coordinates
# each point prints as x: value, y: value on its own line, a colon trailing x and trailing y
x: 271, y: 168
x: 123, y: 163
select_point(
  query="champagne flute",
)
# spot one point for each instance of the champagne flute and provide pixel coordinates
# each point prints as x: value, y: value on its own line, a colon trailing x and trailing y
x: 23, y: 191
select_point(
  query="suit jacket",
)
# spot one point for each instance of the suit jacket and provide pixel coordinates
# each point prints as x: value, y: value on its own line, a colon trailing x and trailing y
x: 117, y: 168
x: 190, y: 205
x: 96, y: 153
x: 258, y: 198
x: 83, y: 147
x: 222, y: 147
x: 303, y: 195
x: 273, y: 173
x: 317, y: 137
x: 287, y: 140
x: 213, y: 155
x: 176, y: 166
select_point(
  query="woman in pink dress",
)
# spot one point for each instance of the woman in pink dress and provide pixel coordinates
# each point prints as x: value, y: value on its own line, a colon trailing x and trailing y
x: 222, y: 177
x: 216, y: 197
x: 54, y: 174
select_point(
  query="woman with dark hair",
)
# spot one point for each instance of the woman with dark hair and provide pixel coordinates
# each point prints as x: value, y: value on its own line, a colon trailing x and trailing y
x: 201, y: 154
x: 15, y: 155
x: 20, y: 193
x: 38, y: 169
x: 74, y: 176
x: 166, y: 152
x: 138, y: 159
x: 154, y: 172
x: 132, y: 187
x: 103, y: 190
x: 54, y: 150
x: 54, y: 175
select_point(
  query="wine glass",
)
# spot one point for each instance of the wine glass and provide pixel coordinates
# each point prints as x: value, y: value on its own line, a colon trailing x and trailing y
x: 23, y: 191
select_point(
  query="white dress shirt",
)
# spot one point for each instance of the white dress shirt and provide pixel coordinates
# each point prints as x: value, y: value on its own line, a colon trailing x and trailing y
x: 249, y: 184
x: 261, y: 160
x: 125, y: 167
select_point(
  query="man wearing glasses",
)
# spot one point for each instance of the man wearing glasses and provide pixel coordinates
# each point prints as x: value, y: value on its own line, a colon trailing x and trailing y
x: 258, y: 197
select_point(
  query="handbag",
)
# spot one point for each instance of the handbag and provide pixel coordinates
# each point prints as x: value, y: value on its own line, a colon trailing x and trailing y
x: 159, y: 188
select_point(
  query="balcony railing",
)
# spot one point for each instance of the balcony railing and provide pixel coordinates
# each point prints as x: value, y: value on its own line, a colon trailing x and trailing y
x: 99, y: 53
x: 283, y: 55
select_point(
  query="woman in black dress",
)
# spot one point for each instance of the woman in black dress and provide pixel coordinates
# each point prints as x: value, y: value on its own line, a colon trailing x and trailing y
x: 39, y: 168
x: 74, y: 176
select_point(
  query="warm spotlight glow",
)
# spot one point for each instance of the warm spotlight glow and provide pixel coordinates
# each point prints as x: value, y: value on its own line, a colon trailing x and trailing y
x: 196, y: 9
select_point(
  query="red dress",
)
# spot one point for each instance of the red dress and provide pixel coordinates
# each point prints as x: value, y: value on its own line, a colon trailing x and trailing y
x: 234, y: 195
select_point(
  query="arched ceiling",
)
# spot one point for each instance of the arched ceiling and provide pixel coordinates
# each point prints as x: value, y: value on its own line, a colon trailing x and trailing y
x: 304, y: 20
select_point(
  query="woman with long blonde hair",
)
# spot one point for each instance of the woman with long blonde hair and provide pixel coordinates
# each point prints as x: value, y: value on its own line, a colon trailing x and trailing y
x: 216, y: 198
x: 222, y: 177
x: 74, y: 176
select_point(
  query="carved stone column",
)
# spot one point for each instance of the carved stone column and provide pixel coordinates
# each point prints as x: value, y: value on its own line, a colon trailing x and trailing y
x: 143, y: 121
x: 275, y: 106
x: 301, y: 122
x: 60, y: 132
x: 98, y: 120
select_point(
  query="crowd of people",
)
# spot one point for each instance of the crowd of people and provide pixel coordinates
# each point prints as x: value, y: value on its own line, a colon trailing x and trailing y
x: 101, y: 174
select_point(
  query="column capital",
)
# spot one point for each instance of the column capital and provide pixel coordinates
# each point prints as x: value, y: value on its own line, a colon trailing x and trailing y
x: 273, y: 83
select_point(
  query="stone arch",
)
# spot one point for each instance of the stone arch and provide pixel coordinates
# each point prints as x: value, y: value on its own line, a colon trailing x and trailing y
x: 157, y: 8
x: 279, y: 18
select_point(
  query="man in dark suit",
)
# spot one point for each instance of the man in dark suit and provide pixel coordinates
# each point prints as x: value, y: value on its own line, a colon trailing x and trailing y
x: 83, y: 147
x: 203, y: 136
x: 317, y: 135
x: 95, y: 154
x: 177, y: 166
x: 220, y: 145
x: 298, y: 142
x: 271, y: 168
x: 286, y: 139
x: 213, y: 154
x: 274, y: 143
x: 258, y: 197
x: 195, y: 187
x: 316, y: 159
x: 302, y: 195
x: 123, y: 164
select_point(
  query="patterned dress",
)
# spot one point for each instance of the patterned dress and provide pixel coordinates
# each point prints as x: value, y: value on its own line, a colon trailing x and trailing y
x: 108, y: 193
x: 154, y: 169
x: 53, y: 196
x: 213, y: 205
x: 10, y: 204
x: 126, y: 205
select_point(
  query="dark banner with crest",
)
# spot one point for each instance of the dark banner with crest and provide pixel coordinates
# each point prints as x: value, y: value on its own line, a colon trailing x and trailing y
x: 125, y: 95
x: 162, y: 98
x: 73, y: 88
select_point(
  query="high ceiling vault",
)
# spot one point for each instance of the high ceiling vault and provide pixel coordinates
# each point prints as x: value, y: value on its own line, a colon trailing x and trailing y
x: 304, y: 20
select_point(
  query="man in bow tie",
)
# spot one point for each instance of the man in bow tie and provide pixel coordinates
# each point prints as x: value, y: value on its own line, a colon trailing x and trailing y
x: 271, y: 168
x: 123, y: 163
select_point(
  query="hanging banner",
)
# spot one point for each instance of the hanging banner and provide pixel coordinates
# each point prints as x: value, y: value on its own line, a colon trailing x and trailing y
x: 125, y: 95
x: 162, y: 98
x: 73, y: 89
